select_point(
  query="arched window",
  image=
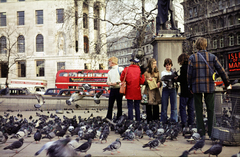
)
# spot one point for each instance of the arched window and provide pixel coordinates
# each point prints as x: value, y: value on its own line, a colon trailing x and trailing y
x: 214, y: 25
x: 238, y: 38
x: 221, y: 23
x: 231, y: 40
x: 221, y: 42
x: 39, y: 43
x: 214, y: 43
x: 86, y: 44
x: 85, y: 21
x: 21, y: 44
x: 230, y: 20
x: 3, y: 45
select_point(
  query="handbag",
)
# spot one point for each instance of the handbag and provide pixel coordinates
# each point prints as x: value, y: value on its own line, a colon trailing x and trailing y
x: 215, y: 74
x: 123, y: 85
x: 152, y: 84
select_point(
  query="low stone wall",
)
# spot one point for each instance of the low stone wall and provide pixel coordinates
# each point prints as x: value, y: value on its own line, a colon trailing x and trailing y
x: 26, y: 103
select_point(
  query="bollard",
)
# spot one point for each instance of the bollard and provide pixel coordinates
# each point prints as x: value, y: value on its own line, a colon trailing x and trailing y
x: 218, y: 103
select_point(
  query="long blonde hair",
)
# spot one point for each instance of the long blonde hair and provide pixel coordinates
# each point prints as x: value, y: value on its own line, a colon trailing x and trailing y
x: 150, y: 68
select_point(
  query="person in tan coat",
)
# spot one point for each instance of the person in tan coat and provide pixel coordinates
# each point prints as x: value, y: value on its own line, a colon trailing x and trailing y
x: 154, y: 97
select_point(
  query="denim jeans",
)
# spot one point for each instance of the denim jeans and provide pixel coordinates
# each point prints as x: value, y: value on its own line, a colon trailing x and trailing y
x: 186, y: 102
x: 130, y: 109
x: 166, y: 93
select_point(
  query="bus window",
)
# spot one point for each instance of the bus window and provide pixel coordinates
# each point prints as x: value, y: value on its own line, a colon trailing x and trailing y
x: 73, y: 74
x: 90, y: 74
x: 80, y: 74
x: 97, y: 74
x: 63, y: 74
x: 84, y: 74
x: 105, y: 74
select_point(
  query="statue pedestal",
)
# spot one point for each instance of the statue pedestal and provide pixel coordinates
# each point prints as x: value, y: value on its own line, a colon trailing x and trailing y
x: 167, y: 47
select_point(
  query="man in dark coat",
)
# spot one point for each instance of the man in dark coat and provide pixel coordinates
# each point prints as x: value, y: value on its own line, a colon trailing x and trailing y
x: 163, y: 7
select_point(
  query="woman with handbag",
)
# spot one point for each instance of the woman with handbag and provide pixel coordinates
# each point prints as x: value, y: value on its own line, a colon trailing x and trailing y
x: 152, y: 90
x: 133, y: 90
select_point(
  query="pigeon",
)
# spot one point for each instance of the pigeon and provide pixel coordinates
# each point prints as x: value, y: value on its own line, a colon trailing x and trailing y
x: 104, y: 134
x: 152, y: 144
x: 40, y: 100
x: 96, y: 97
x: 50, y: 135
x: 198, y: 145
x: 74, y: 143
x: 85, y: 146
x: 60, y: 148
x: 184, y: 154
x: 45, y: 147
x: 216, y: 149
x: 195, y: 137
x: 74, y: 97
x: 113, y: 146
x: 3, y: 137
x: 15, y: 145
x: 236, y: 155
x: 37, y: 136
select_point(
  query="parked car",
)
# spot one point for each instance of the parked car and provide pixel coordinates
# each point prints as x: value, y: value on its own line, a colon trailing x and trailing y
x: 16, y: 91
x: 52, y: 91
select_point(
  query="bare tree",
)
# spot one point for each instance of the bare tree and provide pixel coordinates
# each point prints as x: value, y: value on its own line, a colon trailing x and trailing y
x: 9, y: 53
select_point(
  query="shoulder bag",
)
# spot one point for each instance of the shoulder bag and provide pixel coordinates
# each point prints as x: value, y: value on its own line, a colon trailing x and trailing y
x: 214, y: 73
x: 123, y: 85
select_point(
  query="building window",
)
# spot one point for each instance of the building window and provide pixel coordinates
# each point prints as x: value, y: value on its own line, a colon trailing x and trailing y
x: 4, y: 69
x: 231, y: 40
x: 3, y: 19
x: 230, y: 20
x: 221, y: 42
x: 2, y: 1
x: 21, y: 44
x: 20, y: 15
x: 215, y: 43
x: 214, y: 25
x: 3, y: 45
x: 195, y: 11
x: 76, y: 46
x: 21, y: 0
x: 100, y: 66
x: 96, y: 23
x: 238, y: 19
x: 238, y: 39
x: 60, y: 15
x: 190, y: 13
x: 220, y: 7
x: 21, y: 68
x: 85, y: 21
x: 60, y: 65
x: 221, y: 23
x: 40, y: 68
x: 86, y: 44
x: 39, y: 16
x: 87, y: 66
x: 39, y: 43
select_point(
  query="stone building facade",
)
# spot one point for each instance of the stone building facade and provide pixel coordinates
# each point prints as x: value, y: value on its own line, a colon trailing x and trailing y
x: 218, y: 21
x: 44, y: 36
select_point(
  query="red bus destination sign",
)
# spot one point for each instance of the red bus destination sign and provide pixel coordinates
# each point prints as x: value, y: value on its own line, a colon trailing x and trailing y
x: 234, y: 61
x: 87, y: 80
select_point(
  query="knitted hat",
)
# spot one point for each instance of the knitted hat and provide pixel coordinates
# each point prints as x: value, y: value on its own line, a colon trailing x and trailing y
x: 113, y: 59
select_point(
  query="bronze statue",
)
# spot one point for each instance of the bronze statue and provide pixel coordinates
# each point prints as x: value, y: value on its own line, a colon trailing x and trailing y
x: 165, y: 6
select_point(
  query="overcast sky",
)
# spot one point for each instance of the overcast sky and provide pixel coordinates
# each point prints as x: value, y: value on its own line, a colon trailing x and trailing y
x: 116, y: 11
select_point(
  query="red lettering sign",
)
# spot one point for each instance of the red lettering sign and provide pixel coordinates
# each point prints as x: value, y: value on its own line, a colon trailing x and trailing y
x: 234, y: 61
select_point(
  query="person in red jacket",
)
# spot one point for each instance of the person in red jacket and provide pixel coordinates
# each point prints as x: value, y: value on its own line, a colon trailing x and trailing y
x: 133, y: 90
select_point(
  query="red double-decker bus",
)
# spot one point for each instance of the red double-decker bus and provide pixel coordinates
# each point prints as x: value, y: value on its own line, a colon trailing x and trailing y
x: 70, y: 79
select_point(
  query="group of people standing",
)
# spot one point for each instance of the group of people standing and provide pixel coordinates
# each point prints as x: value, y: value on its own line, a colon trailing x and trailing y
x: 195, y: 80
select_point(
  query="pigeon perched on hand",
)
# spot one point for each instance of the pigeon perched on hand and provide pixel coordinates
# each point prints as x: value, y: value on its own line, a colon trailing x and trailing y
x: 15, y: 145
x: 216, y: 149
x: 198, y: 145
x: 113, y: 146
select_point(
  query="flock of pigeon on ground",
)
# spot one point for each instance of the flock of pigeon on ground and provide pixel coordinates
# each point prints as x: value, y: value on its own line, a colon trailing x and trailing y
x: 91, y: 128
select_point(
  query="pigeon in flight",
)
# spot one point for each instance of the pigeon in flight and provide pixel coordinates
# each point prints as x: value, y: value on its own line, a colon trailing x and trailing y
x: 113, y: 146
x: 97, y: 96
x: 40, y: 100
